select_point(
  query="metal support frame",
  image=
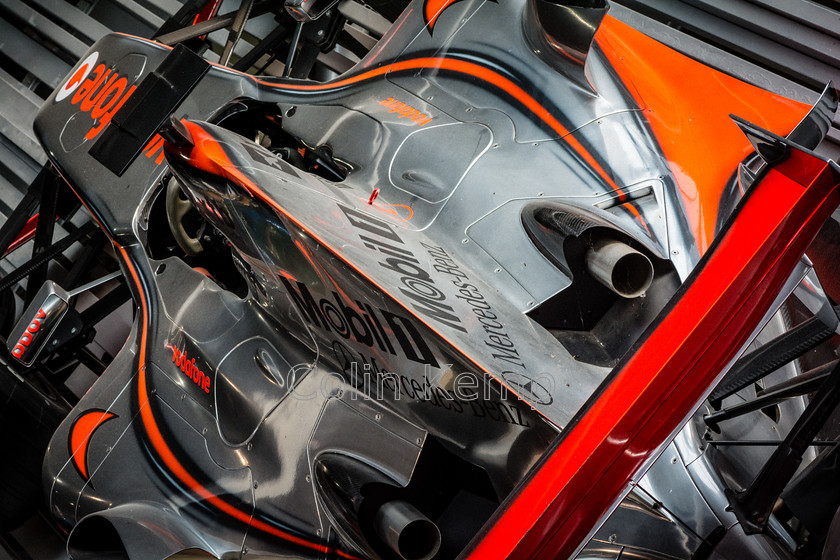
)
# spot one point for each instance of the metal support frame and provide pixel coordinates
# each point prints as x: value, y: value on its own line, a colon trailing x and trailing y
x: 44, y: 231
x: 796, y: 387
x: 754, y: 506
x: 770, y: 357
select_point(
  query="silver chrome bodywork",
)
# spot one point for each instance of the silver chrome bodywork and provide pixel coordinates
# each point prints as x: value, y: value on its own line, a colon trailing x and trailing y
x: 420, y: 319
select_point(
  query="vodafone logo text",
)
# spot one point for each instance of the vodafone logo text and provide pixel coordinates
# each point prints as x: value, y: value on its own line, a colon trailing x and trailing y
x: 26, y: 338
x: 188, y: 367
x: 98, y: 90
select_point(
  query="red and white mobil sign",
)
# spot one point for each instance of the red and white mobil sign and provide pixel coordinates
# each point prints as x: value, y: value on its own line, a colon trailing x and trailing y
x: 98, y: 90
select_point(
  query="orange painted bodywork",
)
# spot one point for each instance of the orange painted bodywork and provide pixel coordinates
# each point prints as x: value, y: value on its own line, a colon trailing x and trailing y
x: 688, y: 105
x: 432, y: 10
x: 80, y: 435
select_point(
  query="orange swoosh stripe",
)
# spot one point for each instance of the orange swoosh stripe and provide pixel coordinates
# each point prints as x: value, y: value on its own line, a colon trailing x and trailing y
x: 486, y: 75
x: 432, y: 10
x: 171, y: 461
x: 80, y: 434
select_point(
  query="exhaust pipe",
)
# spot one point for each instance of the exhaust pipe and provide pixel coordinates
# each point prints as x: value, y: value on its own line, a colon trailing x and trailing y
x: 408, y: 532
x: 619, y: 267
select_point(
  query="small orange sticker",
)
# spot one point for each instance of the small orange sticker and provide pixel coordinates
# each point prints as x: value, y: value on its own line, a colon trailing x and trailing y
x: 405, y: 112
x: 397, y: 212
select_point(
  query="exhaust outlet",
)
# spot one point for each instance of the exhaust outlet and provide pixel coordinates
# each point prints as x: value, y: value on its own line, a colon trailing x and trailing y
x: 408, y: 532
x: 619, y: 267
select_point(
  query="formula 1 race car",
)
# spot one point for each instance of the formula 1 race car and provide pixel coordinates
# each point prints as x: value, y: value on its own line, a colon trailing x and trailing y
x: 519, y: 282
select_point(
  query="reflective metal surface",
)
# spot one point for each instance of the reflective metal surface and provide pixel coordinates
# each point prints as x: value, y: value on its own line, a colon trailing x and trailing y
x: 406, y: 320
x: 35, y: 328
